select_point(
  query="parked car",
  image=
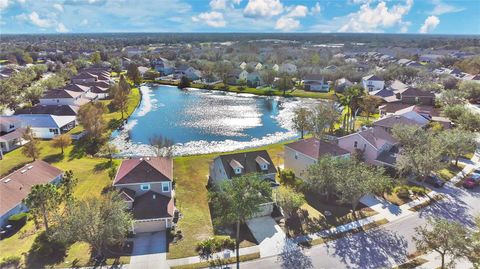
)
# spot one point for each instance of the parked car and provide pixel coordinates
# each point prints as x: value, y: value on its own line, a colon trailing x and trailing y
x: 469, y: 183
x: 435, y: 181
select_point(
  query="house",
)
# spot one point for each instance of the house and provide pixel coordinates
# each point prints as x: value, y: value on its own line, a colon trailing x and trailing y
x: 392, y: 108
x: 63, y: 97
x: 163, y: 66
x: 189, y: 72
x: 143, y: 70
x: 372, y: 83
x: 415, y: 113
x: 10, y: 134
x: 225, y: 167
x: 132, y: 51
x: 315, y: 82
x: 145, y: 184
x: 254, y: 79
x: 288, y: 68
x: 60, y: 110
x: 417, y: 96
x: 84, y: 77
x: 16, y: 186
x: 388, y: 122
x: 342, y: 84
x: 300, y: 154
x: 376, y: 146
x: 100, y: 92
x: 47, y: 126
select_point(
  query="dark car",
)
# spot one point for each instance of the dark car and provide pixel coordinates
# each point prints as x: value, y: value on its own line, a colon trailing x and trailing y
x: 435, y: 181
x: 469, y: 183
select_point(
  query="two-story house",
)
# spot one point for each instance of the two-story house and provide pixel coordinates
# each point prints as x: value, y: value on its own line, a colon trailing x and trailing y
x: 315, y: 82
x: 372, y: 83
x: 376, y: 146
x: 226, y: 167
x: 300, y: 154
x: 146, y: 186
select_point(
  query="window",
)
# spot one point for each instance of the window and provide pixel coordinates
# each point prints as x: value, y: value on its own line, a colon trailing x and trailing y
x: 145, y: 187
x: 165, y: 186
x: 11, y: 126
x: 296, y: 155
x: 238, y: 171
x: 355, y: 144
x: 54, y: 131
x: 58, y: 101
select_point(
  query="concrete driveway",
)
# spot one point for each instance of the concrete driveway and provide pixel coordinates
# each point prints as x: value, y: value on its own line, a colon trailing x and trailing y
x: 149, y: 251
x: 270, y: 237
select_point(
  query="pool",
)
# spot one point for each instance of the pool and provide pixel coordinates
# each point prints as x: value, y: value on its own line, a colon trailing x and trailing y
x: 203, y: 121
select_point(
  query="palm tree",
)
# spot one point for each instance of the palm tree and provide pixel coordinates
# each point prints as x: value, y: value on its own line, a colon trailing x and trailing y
x: 237, y: 200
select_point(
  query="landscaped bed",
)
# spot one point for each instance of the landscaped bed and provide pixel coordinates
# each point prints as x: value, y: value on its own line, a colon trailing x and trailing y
x: 312, y: 216
x: 405, y: 193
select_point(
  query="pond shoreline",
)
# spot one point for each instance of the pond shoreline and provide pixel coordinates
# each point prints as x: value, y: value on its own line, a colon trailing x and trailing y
x: 128, y: 148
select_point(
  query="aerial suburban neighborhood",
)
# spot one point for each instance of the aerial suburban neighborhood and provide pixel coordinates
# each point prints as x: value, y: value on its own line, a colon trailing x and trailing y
x: 185, y: 147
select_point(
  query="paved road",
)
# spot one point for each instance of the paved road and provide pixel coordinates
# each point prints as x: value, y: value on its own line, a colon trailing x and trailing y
x: 382, y: 247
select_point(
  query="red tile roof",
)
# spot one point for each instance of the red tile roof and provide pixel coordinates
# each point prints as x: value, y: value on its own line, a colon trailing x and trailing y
x: 17, y: 185
x: 310, y: 148
x: 142, y: 170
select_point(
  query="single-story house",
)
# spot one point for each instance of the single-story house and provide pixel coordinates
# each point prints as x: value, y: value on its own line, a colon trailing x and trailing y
x: 63, y: 97
x: 57, y: 110
x: 299, y: 155
x: 145, y: 184
x: 46, y: 126
x: 10, y: 134
x: 16, y: 186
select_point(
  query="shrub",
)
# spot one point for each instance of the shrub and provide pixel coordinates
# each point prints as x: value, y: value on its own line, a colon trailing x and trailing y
x: 401, y: 192
x: 208, y: 247
x: 10, y: 261
x: 287, y: 177
x: 418, y: 190
x: 18, y: 217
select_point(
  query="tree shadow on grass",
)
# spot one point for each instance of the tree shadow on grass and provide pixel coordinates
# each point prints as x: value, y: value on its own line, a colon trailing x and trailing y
x: 375, y: 248
x: 54, y: 158
x: 102, y: 166
x: 45, y: 251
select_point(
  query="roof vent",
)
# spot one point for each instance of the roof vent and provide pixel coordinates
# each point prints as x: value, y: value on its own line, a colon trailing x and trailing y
x: 154, y: 196
x: 148, y: 158
x: 397, y: 117
x: 141, y: 159
x: 23, y: 171
x: 29, y: 167
x: 7, y: 180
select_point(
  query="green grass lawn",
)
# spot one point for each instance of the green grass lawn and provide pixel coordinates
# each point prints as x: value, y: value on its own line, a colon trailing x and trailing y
x: 191, y: 177
x: 92, y: 179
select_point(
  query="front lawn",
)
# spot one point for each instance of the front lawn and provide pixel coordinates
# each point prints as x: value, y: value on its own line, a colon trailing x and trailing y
x: 191, y: 177
x: 312, y: 216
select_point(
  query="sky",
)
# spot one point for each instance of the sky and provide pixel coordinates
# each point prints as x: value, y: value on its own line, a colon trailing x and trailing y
x: 323, y: 16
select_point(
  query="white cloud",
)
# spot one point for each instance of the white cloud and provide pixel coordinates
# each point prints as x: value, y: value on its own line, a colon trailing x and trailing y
x: 443, y: 8
x: 218, y: 4
x: 58, y: 7
x: 298, y: 11
x: 430, y: 24
x: 213, y: 19
x: 4, y: 4
x: 287, y: 24
x: 263, y: 8
x: 21, y: 1
x: 40, y: 22
x: 369, y: 19
x: 84, y: 22
x: 315, y: 9
x: 61, y: 28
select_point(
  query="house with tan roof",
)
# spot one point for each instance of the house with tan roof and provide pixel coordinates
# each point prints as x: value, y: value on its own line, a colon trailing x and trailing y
x: 377, y: 146
x: 16, y: 186
x: 145, y: 184
x: 300, y: 154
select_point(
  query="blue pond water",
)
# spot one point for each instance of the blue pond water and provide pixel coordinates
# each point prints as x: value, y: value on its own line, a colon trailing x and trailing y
x: 201, y: 121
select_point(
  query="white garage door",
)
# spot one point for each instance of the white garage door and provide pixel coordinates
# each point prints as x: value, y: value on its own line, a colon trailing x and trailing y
x: 149, y: 226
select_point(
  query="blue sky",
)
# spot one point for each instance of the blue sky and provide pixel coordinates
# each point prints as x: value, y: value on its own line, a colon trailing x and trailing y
x: 388, y: 16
